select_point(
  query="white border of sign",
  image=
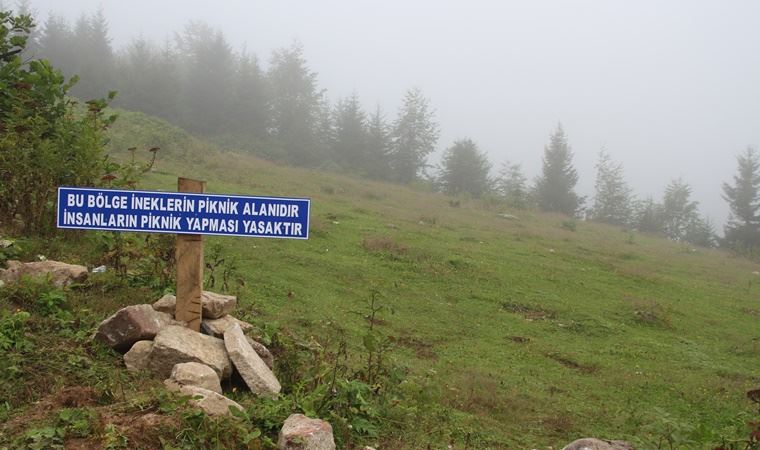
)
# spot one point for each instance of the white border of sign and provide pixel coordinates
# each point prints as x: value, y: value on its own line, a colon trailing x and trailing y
x: 188, y: 194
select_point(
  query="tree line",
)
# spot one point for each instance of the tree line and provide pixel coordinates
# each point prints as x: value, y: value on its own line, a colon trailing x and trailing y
x: 466, y: 169
x: 199, y: 82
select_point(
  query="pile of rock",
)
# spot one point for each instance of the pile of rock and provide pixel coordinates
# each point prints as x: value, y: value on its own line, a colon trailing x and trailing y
x: 192, y: 363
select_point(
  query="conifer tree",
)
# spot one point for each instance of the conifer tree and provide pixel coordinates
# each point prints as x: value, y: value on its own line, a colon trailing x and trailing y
x: 415, y: 134
x: 378, y: 158
x: 612, y: 201
x: 742, y: 231
x: 208, y: 64
x: 465, y: 169
x: 350, y: 138
x: 248, y: 107
x: 678, y: 210
x: 512, y: 185
x: 700, y: 231
x: 648, y: 216
x: 296, y: 104
x: 554, y: 187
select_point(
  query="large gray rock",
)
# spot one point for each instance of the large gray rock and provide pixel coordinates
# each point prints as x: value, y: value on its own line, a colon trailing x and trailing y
x: 249, y: 364
x: 301, y: 433
x: 213, y: 305
x: 136, y: 358
x: 210, y: 402
x: 262, y: 351
x: 166, y: 304
x: 131, y: 324
x: 216, y: 305
x: 194, y: 374
x: 176, y: 344
x: 598, y: 444
x: 61, y: 274
x: 217, y: 327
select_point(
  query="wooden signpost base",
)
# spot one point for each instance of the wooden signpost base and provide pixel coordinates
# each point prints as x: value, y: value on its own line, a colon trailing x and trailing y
x: 189, y: 267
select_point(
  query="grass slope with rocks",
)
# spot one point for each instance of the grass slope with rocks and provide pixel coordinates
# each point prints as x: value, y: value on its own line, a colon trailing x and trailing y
x: 491, y: 332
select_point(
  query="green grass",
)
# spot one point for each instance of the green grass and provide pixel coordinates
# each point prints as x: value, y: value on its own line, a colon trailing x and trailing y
x: 529, y: 333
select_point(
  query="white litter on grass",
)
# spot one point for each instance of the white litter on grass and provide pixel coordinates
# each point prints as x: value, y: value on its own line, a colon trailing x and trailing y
x: 99, y: 269
x: 42, y: 257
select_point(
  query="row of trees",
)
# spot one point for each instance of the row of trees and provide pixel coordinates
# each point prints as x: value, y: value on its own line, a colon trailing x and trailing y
x: 466, y: 169
x: 199, y: 82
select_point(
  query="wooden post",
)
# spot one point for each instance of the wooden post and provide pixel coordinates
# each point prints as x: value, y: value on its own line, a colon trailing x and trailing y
x: 189, y: 267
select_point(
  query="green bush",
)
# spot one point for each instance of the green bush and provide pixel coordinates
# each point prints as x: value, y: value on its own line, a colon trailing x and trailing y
x: 46, y: 139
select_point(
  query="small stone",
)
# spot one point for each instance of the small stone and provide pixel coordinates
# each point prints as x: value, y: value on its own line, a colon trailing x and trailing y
x: 59, y: 273
x: 249, y: 364
x: 166, y: 304
x: 216, y: 305
x: 195, y: 374
x: 210, y: 402
x: 598, y: 444
x: 302, y: 433
x: 131, y: 324
x: 262, y: 351
x: 176, y: 344
x: 136, y: 359
x: 217, y: 327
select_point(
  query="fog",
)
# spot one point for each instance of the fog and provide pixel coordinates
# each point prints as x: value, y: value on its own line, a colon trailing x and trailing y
x: 670, y: 89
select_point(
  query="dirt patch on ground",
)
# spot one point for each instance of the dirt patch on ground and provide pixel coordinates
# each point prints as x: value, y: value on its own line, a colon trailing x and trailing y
x: 422, y: 349
x: 68, y: 397
x: 142, y: 430
x: 572, y: 364
x: 75, y: 397
x: 528, y: 311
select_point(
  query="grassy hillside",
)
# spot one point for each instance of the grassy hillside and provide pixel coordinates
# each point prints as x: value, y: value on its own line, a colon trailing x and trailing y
x: 524, y: 333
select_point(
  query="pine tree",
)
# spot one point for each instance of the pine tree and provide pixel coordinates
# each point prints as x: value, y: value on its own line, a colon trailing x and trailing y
x: 148, y: 79
x: 56, y: 44
x: 678, y: 210
x: 700, y: 231
x: 377, y: 163
x: 742, y: 231
x: 295, y: 106
x: 554, y: 188
x: 612, y: 202
x: 248, y: 109
x: 465, y: 169
x: 415, y: 134
x: 648, y: 216
x: 94, y: 56
x: 350, y: 138
x: 208, y: 65
x: 512, y: 185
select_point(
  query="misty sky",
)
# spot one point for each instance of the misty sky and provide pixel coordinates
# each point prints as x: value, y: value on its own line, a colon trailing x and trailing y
x: 670, y: 88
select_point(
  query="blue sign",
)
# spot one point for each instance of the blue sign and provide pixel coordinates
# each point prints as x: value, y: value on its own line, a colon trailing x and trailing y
x: 183, y: 213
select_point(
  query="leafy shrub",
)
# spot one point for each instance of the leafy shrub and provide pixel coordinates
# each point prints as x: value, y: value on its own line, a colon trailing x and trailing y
x: 35, y: 295
x: 46, y: 140
x: 12, y: 329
